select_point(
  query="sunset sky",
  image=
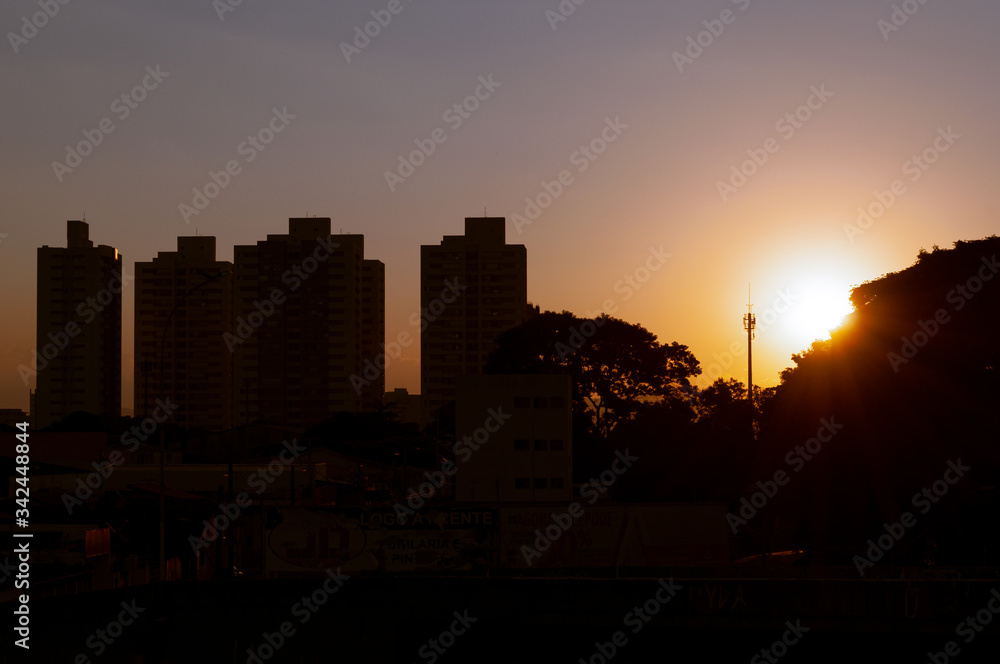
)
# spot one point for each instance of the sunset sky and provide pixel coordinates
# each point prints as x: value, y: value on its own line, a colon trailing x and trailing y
x: 681, y: 115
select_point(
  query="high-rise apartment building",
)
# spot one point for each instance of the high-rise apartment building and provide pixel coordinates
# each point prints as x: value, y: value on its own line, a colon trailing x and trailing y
x: 183, y: 310
x: 309, y: 309
x: 472, y: 288
x: 79, y: 329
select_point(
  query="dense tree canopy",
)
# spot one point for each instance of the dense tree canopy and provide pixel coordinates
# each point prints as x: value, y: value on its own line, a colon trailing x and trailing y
x: 615, y: 366
x: 914, y: 380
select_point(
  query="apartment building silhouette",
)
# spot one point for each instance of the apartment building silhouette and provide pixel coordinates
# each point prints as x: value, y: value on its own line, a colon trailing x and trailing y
x: 472, y: 288
x: 309, y: 309
x: 78, y: 328
x: 183, y: 309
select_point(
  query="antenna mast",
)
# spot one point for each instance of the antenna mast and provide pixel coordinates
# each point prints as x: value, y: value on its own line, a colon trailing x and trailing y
x: 750, y: 325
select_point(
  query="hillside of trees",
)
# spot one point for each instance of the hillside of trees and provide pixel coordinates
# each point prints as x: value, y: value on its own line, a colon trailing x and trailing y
x: 913, y: 380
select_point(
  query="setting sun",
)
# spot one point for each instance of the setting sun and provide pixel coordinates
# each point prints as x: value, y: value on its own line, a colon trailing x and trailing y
x: 821, y: 306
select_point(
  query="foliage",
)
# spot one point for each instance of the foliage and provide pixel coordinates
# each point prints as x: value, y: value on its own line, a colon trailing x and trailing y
x: 616, y: 366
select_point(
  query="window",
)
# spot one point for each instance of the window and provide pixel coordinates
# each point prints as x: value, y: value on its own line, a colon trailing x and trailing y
x: 541, y: 483
x: 556, y: 483
x: 522, y: 402
x: 522, y: 483
x: 556, y: 445
x: 557, y: 402
x: 540, y: 445
x: 540, y: 402
x: 521, y: 445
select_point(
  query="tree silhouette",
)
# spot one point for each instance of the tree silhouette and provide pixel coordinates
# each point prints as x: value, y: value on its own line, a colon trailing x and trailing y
x: 615, y: 366
x: 722, y: 396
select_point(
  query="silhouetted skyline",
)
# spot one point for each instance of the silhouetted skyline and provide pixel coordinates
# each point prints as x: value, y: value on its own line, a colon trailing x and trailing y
x: 217, y: 81
x: 404, y: 331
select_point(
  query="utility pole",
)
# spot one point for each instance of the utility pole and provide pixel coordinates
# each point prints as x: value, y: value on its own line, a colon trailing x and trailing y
x: 750, y: 325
